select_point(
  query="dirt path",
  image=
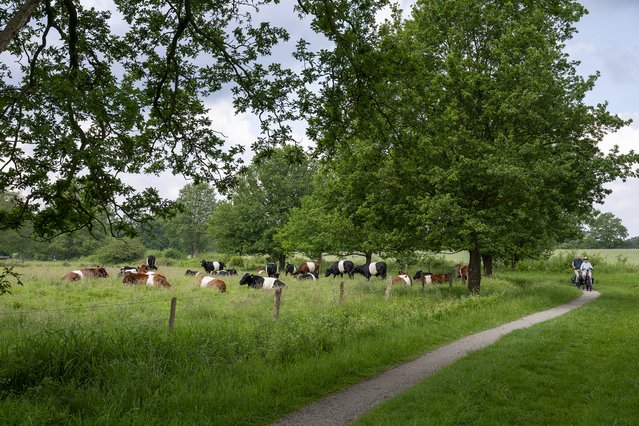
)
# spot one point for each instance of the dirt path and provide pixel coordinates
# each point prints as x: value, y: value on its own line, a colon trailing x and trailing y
x: 344, y: 407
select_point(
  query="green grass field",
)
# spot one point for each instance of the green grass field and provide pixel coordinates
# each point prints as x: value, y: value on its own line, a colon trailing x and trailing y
x: 99, y: 351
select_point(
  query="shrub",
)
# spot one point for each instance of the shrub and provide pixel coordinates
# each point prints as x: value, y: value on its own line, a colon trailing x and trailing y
x: 117, y: 251
x: 172, y: 253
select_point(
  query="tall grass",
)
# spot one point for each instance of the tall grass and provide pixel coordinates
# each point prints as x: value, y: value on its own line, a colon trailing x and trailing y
x: 100, y: 352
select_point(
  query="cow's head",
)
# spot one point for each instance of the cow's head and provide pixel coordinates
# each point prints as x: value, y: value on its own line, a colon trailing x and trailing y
x: 246, y: 278
x: 101, y: 272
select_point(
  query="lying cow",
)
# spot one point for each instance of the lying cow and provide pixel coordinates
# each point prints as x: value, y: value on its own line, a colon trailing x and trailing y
x: 78, y: 274
x: 212, y: 266
x: 255, y: 281
x: 377, y: 269
x: 430, y: 278
x: 127, y: 269
x: 306, y: 267
x: 211, y: 282
x: 307, y: 276
x: 192, y: 272
x: 340, y: 267
x: 150, y: 280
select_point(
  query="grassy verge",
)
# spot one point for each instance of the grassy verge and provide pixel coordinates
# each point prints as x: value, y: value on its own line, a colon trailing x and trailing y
x: 577, y: 369
x: 99, y: 352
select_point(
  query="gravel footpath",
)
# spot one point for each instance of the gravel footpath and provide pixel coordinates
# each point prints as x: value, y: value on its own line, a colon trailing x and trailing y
x: 344, y: 407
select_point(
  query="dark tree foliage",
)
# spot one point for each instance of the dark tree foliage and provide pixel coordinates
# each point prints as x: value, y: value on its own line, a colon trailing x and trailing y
x: 86, y: 98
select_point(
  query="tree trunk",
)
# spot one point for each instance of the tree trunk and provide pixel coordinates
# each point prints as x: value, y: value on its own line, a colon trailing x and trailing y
x: 474, y: 271
x: 488, y: 264
x: 16, y: 23
x: 369, y: 256
x: 282, y: 261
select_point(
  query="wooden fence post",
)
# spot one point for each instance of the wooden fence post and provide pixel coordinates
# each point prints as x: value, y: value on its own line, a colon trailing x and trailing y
x: 172, y: 314
x: 389, y: 288
x: 341, y: 293
x: 278, y: 298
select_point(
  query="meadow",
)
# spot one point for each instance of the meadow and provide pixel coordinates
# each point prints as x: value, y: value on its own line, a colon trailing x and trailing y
x: 100, y: 352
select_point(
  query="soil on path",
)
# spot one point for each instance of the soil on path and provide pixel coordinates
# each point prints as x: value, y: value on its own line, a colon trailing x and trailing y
x: 344, y: 407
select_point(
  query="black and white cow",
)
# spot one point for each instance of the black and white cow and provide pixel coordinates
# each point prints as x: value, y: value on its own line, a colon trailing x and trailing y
x: 212, y: 266
x: 339, y: 267
x: 307, y: 276
x: 127, y: 269
x: 376, y: 269
x: 150, y: 263
x: 271, y: 270
x: 290, y: 269
x: 256, y: 281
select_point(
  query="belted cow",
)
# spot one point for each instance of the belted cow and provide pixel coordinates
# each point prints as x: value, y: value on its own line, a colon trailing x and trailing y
x: 377, y: 269
x: 211, y: 282
x: 307, y: 276
x: 401, y: 278
x: 148, y: 279
x: 340, y: 267
x: 78, y: 274
x: 271, y: 270
x: 308, y: 267
x: 290, y: 269
x: 150, y: 263
x: 212, y: 266
x: 255, y: 281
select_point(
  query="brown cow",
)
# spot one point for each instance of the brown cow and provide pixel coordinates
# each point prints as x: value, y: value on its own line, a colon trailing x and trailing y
x: 428, y: 278
x: 401, y: 278
x: 462, y: 272
x: 211, y: 282
x: 151, y: 280
x: 77, y: 275
x: 308, y: 268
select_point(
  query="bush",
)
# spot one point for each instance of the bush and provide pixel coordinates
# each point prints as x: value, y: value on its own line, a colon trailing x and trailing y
x: 172, y: 253
x: 117, y: 251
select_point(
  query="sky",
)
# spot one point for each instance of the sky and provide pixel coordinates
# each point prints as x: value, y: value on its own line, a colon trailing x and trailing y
x: 607, y: 41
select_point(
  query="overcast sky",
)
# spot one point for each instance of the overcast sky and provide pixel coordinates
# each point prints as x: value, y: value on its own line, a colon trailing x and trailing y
x: 607, y: 41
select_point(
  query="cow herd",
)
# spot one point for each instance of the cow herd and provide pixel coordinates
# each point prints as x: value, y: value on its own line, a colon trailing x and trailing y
x: 146, y: 274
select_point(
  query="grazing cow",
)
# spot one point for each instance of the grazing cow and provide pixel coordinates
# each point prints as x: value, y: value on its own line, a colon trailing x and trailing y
x: 430, y: 278
x: 462, y: 272
x: 150, y: 280
x: 312, y: 267
x: 211, y: 282
x: 212, y: 266
x: 271, y: 270
x: 77, y: 275
x: 191, y: 272
x: 307, y: 276
x: 256, y: 281
x: 290, y: 269
x: 150, y: 263
x: 377, y: 269
x: 340, y: 267
x: 401, y: 278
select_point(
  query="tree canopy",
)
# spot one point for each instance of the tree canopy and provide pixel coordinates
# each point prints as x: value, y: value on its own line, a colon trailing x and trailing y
x: 90, y: 95
x: 478, y: 117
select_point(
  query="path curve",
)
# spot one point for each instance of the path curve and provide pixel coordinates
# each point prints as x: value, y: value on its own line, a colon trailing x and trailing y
x: 347, y: 405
